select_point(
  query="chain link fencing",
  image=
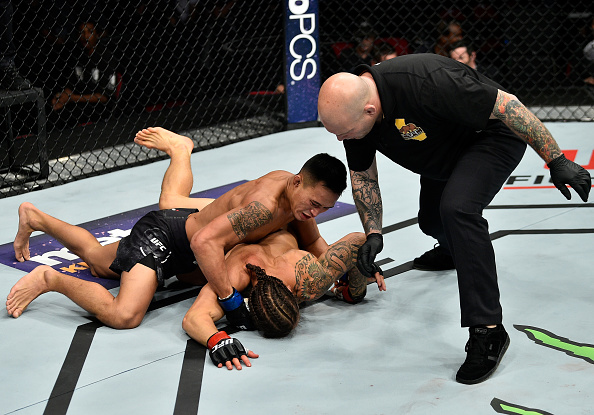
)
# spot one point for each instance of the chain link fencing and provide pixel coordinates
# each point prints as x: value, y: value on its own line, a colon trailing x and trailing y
x: 213, y: 69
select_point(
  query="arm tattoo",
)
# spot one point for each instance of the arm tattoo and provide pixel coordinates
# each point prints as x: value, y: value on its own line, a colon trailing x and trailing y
x: 249, y: 218
x: 315, y: 277
x: 526, y: 125
x: 357, y: 283
x: 313, y: 280
x: 368, y: 199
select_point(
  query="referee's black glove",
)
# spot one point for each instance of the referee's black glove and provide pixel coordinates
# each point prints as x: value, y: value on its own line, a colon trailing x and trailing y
x: 564, y: 172
x: 368, y: 252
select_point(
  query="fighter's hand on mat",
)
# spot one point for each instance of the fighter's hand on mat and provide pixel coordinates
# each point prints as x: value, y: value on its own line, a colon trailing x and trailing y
x: 378, y: 277
x: 341, y: 286
x: 367, y: 253
x: 236, y: 311
x: 228, y: 351
x: 341, y: 291
x: 565, y: 172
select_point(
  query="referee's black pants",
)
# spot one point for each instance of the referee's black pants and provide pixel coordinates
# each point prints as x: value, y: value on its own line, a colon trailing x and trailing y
x: 451, y: 211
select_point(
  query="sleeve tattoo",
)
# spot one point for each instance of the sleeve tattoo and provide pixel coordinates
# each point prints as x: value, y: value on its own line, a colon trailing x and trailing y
x: 249, y: 218
x: 526, y: 125
x: 368, y: 200
x: 315, y: 277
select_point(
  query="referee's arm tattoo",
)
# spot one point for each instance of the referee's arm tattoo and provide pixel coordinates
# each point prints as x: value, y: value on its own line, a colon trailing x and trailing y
x: 526, y: 125
x: 368, y: 199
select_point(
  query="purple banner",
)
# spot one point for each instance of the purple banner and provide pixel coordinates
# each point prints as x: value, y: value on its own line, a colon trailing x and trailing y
x: 47, y: 251
x: 302, y: 57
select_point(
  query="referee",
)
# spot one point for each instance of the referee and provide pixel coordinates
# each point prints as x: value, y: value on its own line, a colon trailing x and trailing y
x: 463, y: 134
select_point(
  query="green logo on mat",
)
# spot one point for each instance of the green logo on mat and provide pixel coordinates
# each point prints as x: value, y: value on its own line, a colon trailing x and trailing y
x: 510, y: 408
x: 545, y: 338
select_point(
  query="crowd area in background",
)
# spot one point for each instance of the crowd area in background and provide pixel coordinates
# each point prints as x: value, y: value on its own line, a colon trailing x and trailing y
x: 87, y: 56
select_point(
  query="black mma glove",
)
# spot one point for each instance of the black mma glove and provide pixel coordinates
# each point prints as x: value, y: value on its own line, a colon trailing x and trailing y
x: 223, y: 348
x: 367, y: 253
x: 341, y: 291
x: 341, y: 287
x: 564, y: 172
x: 236, y: 311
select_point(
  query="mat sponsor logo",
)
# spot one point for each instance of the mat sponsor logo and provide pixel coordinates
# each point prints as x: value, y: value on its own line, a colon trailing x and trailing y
x: 543, y: 181
x: 545, y: 338
x: 503, y: 407
x: 51, y: 257
x: 46, y: 251
x: 569, y: 347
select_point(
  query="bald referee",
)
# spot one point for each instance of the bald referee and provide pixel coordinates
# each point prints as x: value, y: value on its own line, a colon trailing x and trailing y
x: 464, y: 135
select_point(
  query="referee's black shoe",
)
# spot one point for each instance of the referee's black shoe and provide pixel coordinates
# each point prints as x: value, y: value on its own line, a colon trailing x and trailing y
x: 484, y: 350
x: 437, y: 259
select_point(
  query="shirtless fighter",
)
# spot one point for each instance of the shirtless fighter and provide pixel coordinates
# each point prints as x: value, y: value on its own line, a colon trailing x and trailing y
x: 139, y: 282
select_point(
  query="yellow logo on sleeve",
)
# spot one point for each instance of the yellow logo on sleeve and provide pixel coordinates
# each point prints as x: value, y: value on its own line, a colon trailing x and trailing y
x: 409, y: 131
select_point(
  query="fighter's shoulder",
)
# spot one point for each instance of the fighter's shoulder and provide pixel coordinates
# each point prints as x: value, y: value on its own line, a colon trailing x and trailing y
x: 275, y: 175
x: 271, y: 185
x: 266, y: 190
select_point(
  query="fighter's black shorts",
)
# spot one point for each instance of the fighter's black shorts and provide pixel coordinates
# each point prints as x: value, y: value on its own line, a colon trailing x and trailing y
x: 159, y: 241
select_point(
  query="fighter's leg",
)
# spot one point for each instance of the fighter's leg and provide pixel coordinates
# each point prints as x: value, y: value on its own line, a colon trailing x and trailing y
x: 161, y: 139
x: 137, y: 288
x: 178, y: 179
x: 127, y: 310
x: 78, y: 240
x: 43, y: 279
x: 27, y: 289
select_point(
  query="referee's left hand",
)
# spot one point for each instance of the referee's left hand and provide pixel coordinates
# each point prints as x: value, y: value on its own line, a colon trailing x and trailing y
x: 566, y: 172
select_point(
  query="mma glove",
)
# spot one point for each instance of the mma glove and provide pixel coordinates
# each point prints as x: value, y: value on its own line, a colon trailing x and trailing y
x: 341, y: 291
x: 223, y: 348
x: 564, y: 172
x: 236, y: 311
x: 367, y: 253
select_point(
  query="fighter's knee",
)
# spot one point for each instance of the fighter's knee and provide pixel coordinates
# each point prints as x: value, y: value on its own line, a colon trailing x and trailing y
x: 174, y: 201
x: 128, y: 320
x: 187, y: 321
x: 166, y: 201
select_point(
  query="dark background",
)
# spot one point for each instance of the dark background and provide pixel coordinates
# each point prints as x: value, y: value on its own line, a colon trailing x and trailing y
x: 211, y: 73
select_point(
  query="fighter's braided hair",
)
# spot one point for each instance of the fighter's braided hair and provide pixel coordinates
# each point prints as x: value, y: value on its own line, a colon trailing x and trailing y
x: 273, y: 306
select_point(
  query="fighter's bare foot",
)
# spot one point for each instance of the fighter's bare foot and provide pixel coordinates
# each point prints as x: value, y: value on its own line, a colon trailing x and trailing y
x: 27, y: 289
x: 164, y: 140
x: 27, y: 213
